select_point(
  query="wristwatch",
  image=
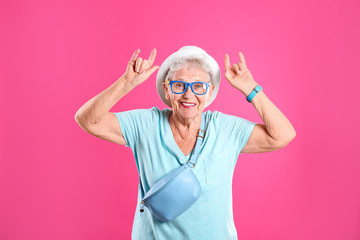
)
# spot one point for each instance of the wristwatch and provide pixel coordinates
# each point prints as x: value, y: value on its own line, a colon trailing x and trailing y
x: 257, y: 89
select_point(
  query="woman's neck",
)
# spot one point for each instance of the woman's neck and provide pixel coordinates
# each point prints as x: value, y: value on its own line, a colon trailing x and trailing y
x: 186, y: 128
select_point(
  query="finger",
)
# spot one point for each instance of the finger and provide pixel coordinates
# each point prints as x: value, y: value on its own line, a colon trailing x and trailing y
x: 242, y: 59
x: 138, y: 64
x: 236, y: 69
x: 144, y: 65
x: 152, y: 57
x: 135, y: 55
x: 227, y: 62
x: 241, y: 66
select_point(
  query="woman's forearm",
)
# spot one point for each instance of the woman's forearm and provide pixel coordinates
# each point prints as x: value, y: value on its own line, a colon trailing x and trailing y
x: 93, y: 110
x: 277, y: 125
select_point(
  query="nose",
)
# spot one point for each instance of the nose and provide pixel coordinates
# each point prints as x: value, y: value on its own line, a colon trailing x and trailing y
x: 188, y: 93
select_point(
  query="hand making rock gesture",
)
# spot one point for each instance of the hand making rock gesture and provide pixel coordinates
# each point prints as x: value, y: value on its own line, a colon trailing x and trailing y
x: 138, y: 70
x: 239, y: 75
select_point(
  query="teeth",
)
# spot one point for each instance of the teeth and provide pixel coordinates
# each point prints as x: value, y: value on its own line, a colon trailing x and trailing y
x: 188, y: 104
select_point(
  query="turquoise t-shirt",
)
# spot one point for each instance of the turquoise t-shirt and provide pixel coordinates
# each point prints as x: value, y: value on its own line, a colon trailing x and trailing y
x: 147, y: 132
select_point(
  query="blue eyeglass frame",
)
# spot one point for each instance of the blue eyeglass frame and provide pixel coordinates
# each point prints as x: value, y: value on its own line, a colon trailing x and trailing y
x: 207, y: 84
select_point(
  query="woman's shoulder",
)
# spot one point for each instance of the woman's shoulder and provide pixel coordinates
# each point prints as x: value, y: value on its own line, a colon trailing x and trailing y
x: 143, y: 117
x: 162, y: 114
x: 149, y: 111
x: 154, y: 115
x: 218, y: 117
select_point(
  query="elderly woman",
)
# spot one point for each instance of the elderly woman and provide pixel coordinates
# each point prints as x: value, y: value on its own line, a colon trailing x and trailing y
x: 162, y: 140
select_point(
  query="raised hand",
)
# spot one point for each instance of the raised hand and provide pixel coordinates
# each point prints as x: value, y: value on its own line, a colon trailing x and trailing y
x: 138, y: 70
x: 239, y: 75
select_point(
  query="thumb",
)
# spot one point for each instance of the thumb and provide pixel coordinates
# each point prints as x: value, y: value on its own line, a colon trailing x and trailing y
x: 153, y: 69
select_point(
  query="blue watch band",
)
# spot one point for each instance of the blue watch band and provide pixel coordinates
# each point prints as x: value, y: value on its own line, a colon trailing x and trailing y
x: 257, y: 89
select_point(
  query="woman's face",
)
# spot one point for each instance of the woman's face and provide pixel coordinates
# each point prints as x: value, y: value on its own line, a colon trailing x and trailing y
x: 188, y: 105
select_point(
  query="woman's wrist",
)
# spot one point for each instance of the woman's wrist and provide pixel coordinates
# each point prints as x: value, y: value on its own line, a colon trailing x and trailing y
x: 124, y: 84
x: 246, y: 90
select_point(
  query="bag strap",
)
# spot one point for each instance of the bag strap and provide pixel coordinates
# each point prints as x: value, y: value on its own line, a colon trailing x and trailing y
x: 200, y: 138
x: 195, y: 152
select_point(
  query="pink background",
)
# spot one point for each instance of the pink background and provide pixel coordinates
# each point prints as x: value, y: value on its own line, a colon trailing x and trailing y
x: 58, y: 182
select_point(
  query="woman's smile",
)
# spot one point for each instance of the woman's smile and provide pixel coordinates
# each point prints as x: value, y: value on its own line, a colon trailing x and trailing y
x: 188, y: 104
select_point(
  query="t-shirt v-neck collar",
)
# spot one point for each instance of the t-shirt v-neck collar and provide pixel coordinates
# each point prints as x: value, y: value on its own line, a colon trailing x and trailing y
x: 170, y: 140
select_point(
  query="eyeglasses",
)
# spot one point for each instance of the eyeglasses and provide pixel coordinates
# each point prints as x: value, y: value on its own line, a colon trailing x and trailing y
x: 179, y: 87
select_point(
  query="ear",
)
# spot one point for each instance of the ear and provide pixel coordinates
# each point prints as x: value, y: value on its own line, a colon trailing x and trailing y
x: 211, y: 89
x: 167, y: 96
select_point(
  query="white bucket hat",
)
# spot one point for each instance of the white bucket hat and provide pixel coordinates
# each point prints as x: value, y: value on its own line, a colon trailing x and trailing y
x: 188, y: 52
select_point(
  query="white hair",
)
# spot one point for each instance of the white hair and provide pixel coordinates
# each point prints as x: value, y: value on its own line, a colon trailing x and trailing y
x: 192, y: 62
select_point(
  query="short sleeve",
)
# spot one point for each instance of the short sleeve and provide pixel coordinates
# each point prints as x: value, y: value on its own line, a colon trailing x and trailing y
x: 238, y: 129
x: 133, y: 123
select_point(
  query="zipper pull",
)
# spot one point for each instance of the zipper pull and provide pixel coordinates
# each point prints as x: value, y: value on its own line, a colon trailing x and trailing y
x: 141, y: 208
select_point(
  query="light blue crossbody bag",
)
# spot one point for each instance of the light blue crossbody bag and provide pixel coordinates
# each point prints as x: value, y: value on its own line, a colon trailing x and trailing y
x: 174, y: 193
